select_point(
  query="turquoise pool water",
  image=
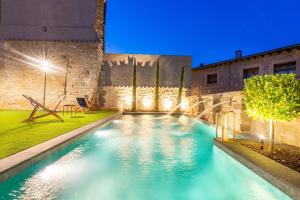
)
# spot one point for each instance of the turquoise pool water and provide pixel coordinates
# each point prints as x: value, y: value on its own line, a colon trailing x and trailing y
x: 141, y: 157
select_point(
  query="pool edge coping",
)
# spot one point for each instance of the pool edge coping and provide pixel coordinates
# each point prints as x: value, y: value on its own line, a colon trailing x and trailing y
x: 11, y: 165
x: 286, y: 184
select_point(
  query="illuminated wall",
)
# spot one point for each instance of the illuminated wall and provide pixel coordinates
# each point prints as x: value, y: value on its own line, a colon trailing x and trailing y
x: 69, y: 34
x: 288, y: 133
x: 75, y: 72
x: 117, y: 70
x: 121, y: 98
x: 116, y: 78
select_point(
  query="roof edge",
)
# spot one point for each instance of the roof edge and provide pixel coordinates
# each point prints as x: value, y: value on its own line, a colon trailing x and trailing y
x: 285, y: 48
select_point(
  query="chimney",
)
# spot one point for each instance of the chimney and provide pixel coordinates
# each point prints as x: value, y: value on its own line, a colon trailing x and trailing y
x: 238, y: 54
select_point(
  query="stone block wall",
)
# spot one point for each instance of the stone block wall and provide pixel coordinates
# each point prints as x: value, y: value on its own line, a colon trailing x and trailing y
x: 117, y: 70
x: 121, y: 98
x: 288, y: 133
x: 116, y: 78
x: 74, y: 64
x: 51, y: 19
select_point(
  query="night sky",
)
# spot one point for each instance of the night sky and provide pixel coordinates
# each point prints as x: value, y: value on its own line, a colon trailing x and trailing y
x: 208, y: 30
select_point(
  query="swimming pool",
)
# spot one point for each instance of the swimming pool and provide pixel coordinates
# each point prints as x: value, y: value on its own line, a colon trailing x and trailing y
x: 141, y: 157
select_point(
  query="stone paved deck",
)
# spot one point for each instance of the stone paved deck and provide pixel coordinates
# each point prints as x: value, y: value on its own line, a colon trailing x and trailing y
x: 284, y: 178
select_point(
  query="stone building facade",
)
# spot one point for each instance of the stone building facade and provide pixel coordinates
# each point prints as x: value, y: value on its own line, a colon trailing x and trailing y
x: 223, y: 81
x: 228, y: 75
x: 68, y: 34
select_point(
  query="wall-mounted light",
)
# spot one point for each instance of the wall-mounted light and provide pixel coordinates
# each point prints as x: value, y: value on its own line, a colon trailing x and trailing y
x: 127, y: 101
x: 147, y: 102
x: 184, y: 105
x: 167, y: 104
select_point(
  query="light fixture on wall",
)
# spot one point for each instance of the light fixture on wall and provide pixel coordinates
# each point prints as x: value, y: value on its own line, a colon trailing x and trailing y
x: 127, y: 100
x: 147, y: 102
x: 167, y: 104
x: 184, y: 105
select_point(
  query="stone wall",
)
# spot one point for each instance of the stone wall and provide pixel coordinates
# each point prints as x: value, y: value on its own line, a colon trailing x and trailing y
x: 117, y: 70
x: 116, y: 79
x: 288, y: 133
x: 121, y: 98
x: 75, y: 64
x: 75, y: 72
x: 230, y: 74
x: 50, y: 19
x: 69, y: 34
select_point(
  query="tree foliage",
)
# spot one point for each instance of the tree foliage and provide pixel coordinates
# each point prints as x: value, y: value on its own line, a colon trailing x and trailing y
x: 157, y: 83
x: 134, y: 86
x: 272, y: 97
x: 179, y: 98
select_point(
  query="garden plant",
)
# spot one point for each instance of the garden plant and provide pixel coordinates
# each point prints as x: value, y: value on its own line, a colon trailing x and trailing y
x: 272, y: 98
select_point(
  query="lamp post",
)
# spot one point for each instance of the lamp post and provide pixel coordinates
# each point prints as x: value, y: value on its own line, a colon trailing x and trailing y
x: 45, y: 68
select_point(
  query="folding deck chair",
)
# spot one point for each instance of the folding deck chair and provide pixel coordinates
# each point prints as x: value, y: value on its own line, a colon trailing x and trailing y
x: 83, y: 103
x: 36, y: 106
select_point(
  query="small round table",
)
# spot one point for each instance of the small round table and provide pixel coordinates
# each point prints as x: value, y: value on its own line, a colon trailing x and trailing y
x: 69, y: 107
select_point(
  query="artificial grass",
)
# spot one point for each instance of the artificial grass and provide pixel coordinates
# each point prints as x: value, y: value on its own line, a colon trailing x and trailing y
x: 16, y: 136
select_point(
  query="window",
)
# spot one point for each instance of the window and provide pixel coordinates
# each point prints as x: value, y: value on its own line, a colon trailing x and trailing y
x: 212, y: 78
x: 248, y: 73
x: 285, y: 68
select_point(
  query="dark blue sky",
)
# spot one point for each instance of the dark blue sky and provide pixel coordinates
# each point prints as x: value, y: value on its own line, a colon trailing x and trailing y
x: 209, y: 30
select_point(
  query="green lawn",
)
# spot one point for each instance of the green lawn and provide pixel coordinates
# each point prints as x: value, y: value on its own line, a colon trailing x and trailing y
x: 16, y: 136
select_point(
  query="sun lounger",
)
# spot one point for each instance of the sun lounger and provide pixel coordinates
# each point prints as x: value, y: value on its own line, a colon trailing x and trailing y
x: 38, y: 105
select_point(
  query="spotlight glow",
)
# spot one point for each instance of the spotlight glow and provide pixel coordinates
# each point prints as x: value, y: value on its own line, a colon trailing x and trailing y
x: 147, y: 102
x: 127, y: 101
x: 261, y: 137
x: 45, y: 65
x: 51, y: 172
x: 183, y: 120
x: 117, y: 121
x: 167, y: 104
x: 103, y: 134
x: 184, y: 105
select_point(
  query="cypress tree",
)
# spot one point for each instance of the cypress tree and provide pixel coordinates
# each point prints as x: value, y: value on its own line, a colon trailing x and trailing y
x: 180, y: 87
x: 157, y: 83
x: 134, y: 86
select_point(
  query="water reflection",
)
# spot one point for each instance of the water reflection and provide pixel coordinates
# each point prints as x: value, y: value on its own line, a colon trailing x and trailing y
x: 47, y: 182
